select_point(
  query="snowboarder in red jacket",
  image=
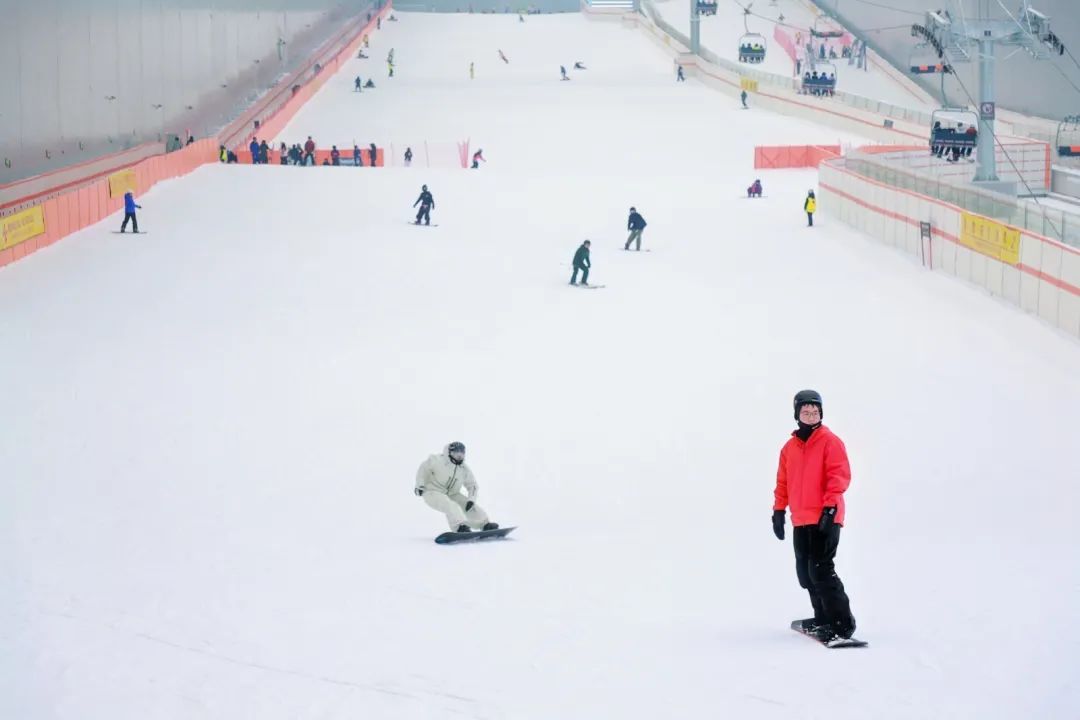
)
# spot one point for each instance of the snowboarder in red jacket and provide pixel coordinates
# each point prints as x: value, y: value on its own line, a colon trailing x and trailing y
x: 811, y: 480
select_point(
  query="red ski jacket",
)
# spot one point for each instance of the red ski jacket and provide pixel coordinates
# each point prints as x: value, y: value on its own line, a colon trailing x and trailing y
x: 812, y: 475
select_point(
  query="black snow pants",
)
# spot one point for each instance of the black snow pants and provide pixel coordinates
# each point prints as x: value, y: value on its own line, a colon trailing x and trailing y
x: 134, y: 222
x: 814, y: 554
x: 584, y: 275
x: 425, y: 213
x: 810, y: 219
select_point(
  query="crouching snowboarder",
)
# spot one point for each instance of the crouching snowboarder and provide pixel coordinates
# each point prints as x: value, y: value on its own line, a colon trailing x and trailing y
x: 439, y: 482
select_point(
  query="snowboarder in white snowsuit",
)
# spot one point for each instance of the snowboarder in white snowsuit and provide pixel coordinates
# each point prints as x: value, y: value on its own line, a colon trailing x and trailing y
x: 439, y: 482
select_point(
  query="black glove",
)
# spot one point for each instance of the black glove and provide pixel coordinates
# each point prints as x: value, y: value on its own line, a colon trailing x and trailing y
x: 468, y: 505
x: 828, y: 517
x: 778, y: 524
x: 419, y: 491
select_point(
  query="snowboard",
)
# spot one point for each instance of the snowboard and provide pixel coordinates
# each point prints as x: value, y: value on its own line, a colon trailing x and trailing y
x: 645, y: 250
x: 796, y: 625
x: 588, y: 287
x: 117, y: 232
x: 448, y: 538
x: 410, y: 222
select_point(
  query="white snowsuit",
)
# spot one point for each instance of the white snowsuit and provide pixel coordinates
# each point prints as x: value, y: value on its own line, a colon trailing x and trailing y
x: 441, y: 480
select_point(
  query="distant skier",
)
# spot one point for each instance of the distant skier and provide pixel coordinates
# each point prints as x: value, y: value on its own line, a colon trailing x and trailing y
x: 562, y: 69
x: 390, y: 67
x: 357, y: 84
x: 754, y: 190
x: 503, y: 57
x: 810, y: 206
x: 743, y: 96
x: 129, y: 213
x: 472, y: 71
x: 812, y: 476
x: 439, y: 481
x: 357, y: 159
x: 477, y: 157
x: 426, y: 203
x: 579, y: 65
x: 373, y: 152
x: 582, y: 263
x: 408, y: 156
x: 636, y: 225
x: 370, y: 83
x: 679, y: 77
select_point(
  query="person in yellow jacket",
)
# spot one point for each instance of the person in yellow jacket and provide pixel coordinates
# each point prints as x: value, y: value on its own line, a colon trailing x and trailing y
x: 810, y: 206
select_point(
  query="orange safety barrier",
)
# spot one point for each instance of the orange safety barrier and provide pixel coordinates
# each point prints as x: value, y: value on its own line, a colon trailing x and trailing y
x: 792, y: 156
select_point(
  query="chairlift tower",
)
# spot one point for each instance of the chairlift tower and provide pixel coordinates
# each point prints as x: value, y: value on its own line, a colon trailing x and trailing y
x: 695, y: 28
x: 969, y: 40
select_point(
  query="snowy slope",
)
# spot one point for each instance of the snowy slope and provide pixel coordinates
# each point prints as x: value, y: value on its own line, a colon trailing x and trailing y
x: 212, y: 432
x: 720, y: 33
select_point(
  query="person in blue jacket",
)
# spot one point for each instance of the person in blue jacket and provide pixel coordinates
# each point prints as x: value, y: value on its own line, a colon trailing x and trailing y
x: 254, y: 148
x: 636, y: 225
x: 129, y: 212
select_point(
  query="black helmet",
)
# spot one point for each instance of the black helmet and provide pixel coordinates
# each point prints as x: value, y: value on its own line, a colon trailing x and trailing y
x: 458, y: 449
x: 808, y: 397
x: 424, y: 187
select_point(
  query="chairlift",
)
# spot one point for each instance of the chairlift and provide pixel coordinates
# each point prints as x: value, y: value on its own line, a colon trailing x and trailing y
x: 1067, y: 139
x: 752, y: 48
x: 924, y: 60
x: 707, y: 7
x: 953, y: 131
x: 820, y: 79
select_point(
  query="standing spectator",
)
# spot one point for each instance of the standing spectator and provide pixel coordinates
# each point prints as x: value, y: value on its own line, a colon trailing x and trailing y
x: 357, y: 84
x: 309, y: 151
x: 335, y: 156
x: 254, y: 149
x: 356, y: 159
x: 264, y: 152
x: 284, y: 155
x: 373, y: 153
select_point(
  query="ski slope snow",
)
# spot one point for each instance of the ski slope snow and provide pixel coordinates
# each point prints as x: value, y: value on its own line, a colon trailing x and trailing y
x: 212, y: 430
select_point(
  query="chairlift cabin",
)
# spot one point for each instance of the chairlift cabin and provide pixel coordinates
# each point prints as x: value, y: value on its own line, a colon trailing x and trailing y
x: 752, y: 48
x: 707, y: 7
x: 820, y: 79
x: 954, y: 131
x: 1067, y: 140
x: 924, y: 60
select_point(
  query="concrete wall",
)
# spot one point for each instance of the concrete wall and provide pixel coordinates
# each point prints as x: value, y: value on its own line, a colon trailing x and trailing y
x: 1044, y: 280
x: 1024, y: 85
x: 83, y: 78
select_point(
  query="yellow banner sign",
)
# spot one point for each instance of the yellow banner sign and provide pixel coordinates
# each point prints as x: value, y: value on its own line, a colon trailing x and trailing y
x: 121, y: 182
x: 748, y: 84
x: 21, y: 226
x: 990, y: 238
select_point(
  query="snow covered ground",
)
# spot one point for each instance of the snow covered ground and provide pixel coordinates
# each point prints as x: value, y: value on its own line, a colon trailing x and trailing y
x: 721, y: 33
x: 212, y: 430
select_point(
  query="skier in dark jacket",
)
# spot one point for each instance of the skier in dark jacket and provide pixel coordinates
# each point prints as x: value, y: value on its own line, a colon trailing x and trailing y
x: 636, y: 225
x: 129, y: 212
x: 408, y: 156
x: 356, y: 158
x: 335, y: 155
x: 426, y: 203
x: 372, y: 151
x: 264, y: 153
x: 582, y: 263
